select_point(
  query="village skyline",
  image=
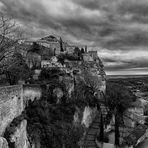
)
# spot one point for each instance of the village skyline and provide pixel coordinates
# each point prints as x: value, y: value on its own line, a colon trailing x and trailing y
x: 116, y: 28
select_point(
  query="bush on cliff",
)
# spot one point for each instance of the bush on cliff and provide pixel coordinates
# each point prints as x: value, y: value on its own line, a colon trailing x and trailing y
x: 70, y: 57
x: 53, y: 124
x: 50, y: 74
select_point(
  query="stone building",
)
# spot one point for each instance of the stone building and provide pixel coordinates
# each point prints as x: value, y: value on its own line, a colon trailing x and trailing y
x: 51, y: 43
x: 36, y: 54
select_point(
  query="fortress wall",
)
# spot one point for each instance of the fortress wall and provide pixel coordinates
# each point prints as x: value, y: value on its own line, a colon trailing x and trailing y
x: 11, y: 104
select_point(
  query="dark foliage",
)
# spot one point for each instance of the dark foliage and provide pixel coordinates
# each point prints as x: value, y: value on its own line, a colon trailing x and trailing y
x: 78, y: 53
x: 50, y: 74
x: 144, y: 88
x: 61, y: 45
x: 82, y: 50
x: 53, y: 123
x: 17, y: 70
x: 35, y: 47
x: 101, y: 136
x: 84, y: 95
x: 117, y: 133
x: 70, y: 57
x: 118, y: 97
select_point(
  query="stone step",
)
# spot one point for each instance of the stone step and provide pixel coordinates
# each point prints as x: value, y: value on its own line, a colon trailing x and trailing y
x: 92, y: 147
x: 95, y: 125
x: 96, y: 120
x: 92, y: 132
x: 88, y: 144
x: 90, y: 137
x: 89, y: 140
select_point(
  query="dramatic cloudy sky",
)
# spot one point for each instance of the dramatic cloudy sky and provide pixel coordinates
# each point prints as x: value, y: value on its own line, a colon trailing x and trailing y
x: 118, y: 29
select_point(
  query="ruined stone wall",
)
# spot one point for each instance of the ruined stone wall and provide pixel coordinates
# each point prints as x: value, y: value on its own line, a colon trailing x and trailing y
x: 11, y: 105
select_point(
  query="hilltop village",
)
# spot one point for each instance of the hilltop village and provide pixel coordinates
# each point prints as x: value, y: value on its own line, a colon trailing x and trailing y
x: 50, y: 72
x: 54, y: 94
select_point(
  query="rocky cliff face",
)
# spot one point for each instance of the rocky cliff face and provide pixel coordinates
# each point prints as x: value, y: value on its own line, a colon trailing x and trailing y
x: 90, y: 71
x: 3, y: 143
x: 19, y: 137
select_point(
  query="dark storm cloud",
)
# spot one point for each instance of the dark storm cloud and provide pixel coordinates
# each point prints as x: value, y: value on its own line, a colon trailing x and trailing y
x: 29, y: 12
x: 90, y: 4
x: 117, y: 60
x: 116, y: 25
x: 133, y: 39
x: 107, y: 26
x: 77, y: 22
x: 139, y: 8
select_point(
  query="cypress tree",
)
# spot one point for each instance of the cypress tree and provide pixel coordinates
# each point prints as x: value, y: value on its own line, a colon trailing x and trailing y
x: 101, y: 129
x: 117, y: 134
x: 61, y: 45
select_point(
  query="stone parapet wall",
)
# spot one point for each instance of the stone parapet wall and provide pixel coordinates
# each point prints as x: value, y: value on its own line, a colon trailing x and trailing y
x: 11, y: 104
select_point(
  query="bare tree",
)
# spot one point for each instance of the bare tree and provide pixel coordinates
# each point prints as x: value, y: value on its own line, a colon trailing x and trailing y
x: 10, y: 34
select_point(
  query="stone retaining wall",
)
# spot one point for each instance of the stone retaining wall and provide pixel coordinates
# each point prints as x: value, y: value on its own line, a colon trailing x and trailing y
x: 11, y: 104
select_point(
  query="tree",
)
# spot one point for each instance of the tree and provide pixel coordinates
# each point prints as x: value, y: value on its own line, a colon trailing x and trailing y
x: 16, y: 69
x: 82, y: 50
x: 101, y: 136
x: 35, y: 47
x: 119, y: 98
x: 61, y: 45
x: 78, y: 53
x: 10, y: 34
x: 117, y: 133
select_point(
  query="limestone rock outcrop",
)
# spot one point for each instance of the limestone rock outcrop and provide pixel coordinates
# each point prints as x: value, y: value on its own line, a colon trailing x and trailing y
x: 90, y: 71
x: 3, y: 143
x: 19, y: 137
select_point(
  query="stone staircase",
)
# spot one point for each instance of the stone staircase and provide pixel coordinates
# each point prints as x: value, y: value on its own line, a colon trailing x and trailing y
x: 89, y: 138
